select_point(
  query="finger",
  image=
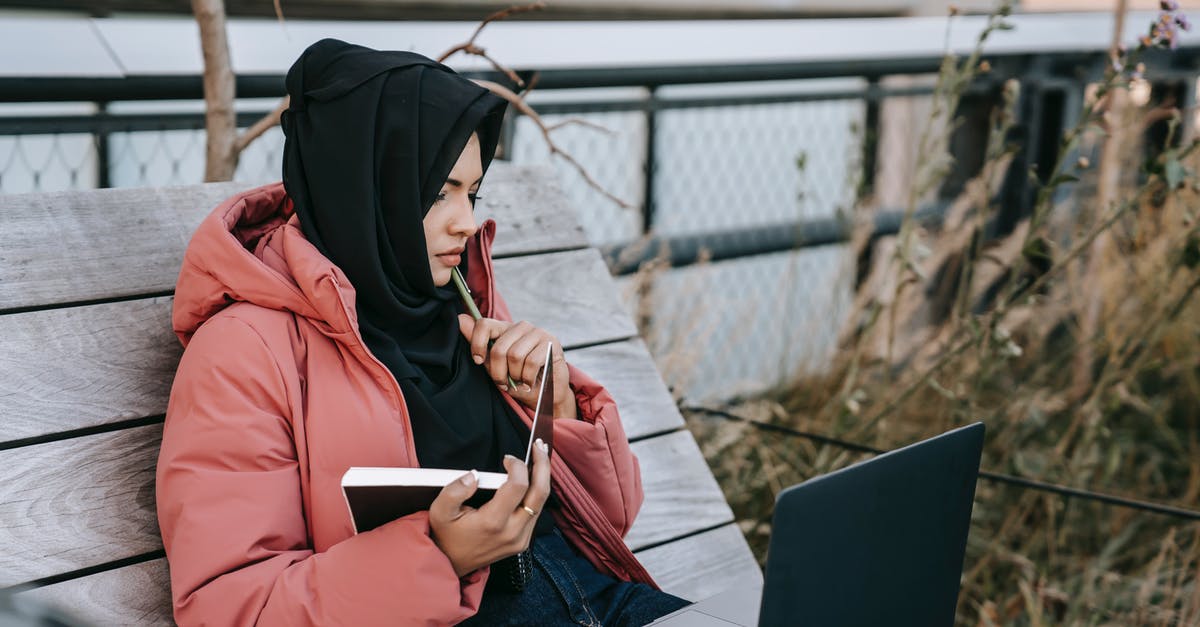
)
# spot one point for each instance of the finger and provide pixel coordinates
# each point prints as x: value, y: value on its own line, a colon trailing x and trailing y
x: 539, y: 487
x: 525, y: 357
x: 485, y: 330
x: 449, y: 502
x: 509, y: 496
x: 498, y: 357
x: 562, y: 374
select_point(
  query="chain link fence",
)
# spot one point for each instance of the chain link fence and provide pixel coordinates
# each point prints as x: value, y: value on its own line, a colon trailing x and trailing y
x: 736, y: 326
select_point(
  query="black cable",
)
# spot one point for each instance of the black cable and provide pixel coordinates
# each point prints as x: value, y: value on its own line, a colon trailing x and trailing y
x: 1033, y: 484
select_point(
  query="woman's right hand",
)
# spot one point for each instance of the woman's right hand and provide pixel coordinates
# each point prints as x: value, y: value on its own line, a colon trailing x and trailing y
x: 474, y: 538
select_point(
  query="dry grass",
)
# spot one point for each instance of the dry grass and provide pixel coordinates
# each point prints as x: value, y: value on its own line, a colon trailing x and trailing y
x: 1076, y: 339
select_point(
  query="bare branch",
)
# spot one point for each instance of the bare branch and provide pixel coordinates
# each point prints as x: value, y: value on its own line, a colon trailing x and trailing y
x: 266, y: 123
x: 527, y: 110
x: 469, y: 46
x: 279, y: 12
x: 533, y: 81
x: 497, y: 16
x: 581, y: 122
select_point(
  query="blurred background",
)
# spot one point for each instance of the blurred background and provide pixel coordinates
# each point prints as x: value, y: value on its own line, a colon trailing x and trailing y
x: 827, y: 226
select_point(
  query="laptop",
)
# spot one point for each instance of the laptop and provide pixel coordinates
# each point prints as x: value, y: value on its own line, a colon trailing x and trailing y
x: 878, y: 543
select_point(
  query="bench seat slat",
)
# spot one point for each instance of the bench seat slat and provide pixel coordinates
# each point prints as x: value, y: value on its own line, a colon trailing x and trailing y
x: 570, y: 294
x: 702, y: 565
x: 122, y: 356
x: 90, y: 500
x: 681, y: 494
x: 83, y: 246
x: 627, y: 370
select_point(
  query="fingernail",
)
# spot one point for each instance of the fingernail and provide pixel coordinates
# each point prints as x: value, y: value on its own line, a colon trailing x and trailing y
x: 478, y: 359
x: 504, y: 386
x: 542, y: 445
x: 470, y: 478
x: 525, y: 387
x: 512, y: 458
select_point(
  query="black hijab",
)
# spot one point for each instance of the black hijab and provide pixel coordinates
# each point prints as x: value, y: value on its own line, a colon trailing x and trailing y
x: 371, y: 137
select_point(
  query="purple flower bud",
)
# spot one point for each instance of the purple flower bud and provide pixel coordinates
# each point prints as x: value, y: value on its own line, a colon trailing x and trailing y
x: 1168, y: 5
x: 1183, y: 22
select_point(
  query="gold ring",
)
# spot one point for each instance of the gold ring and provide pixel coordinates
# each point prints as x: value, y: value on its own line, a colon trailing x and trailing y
x: 532, y: 512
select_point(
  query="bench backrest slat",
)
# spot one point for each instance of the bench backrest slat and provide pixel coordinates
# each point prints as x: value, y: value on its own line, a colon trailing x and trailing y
x: 84, y: 246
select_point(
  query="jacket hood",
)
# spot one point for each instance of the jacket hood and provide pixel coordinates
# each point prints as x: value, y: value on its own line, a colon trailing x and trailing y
x: 251, y: 249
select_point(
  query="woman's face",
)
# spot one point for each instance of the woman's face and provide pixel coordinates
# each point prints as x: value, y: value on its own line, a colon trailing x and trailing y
x: 451, y: 219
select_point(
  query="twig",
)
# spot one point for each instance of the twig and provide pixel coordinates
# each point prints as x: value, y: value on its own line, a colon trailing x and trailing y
x: 527, y: 110
x: 264, y: 124
x: 469, y: 46
x: 581, y: 122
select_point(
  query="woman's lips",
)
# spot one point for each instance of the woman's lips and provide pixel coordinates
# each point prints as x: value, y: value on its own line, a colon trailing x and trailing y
x: 450, y: 259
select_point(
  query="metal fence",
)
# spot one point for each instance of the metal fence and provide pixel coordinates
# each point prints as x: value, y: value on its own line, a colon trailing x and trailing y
x: 741, y: 177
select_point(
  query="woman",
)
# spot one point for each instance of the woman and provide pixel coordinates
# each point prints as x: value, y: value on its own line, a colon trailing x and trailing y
x: 321, y: 332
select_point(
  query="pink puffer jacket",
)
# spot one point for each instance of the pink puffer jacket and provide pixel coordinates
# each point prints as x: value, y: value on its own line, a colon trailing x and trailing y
x: 276, y: 396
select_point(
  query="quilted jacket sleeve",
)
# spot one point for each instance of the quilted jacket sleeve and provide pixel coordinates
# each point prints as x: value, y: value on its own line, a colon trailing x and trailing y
x: 232, y: 516
x: 597, y: 452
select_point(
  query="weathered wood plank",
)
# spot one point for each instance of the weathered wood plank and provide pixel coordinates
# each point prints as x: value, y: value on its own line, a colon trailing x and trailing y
x: 134, y: 595
x: 76, y: 246
x: 532, y: 212
x: 77, y: 367
x: 77, y: 503
x: 92, y: 245
x: 627, y: 370
x: 570, y: 294
x: 681, y: 494
x: 693, y: 568
x: 702, y: 565
x: 85, y: 501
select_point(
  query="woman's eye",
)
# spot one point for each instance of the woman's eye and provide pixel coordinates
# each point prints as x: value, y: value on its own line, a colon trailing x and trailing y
x: 440, y: 197
x: 474, y: 198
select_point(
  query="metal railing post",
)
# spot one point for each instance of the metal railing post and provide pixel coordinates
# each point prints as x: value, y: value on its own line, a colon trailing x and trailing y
x: 870, y: 140
x: 103, y: 164
x: 649, y: 167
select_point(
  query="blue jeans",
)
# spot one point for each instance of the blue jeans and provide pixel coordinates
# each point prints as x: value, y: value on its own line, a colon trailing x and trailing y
x: 567, y: 590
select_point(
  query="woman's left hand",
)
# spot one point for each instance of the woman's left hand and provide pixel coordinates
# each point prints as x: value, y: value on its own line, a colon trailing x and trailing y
x: 519, y: 352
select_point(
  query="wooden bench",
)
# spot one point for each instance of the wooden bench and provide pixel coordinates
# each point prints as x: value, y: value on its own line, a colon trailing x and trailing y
x: 87, y: 357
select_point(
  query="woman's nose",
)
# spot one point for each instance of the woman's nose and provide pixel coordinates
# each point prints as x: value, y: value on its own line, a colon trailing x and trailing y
x: 463, y: 221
